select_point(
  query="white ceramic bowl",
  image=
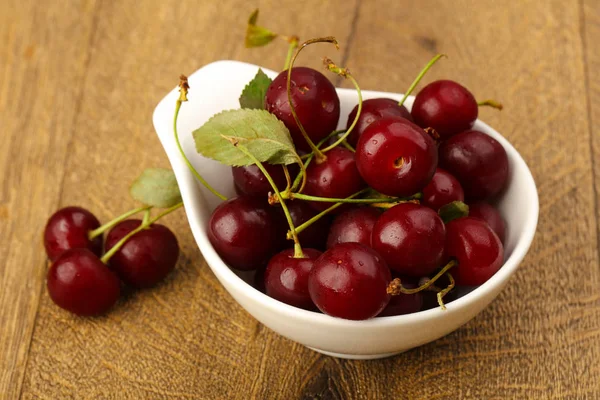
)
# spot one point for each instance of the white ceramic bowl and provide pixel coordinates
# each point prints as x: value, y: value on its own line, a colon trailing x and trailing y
x: 216, y: 87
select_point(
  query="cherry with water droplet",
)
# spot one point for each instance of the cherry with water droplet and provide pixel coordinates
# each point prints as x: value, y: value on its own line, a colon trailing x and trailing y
x: 373, y: 110
x: 354, y: 225
x: 443, y: 189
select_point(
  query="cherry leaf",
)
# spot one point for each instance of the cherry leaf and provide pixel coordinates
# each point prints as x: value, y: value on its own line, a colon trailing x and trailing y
x: 259, y: 131
x: 156, y: 187
x: 257, y: 36
x: 454, y: 210
x: 253, y: 95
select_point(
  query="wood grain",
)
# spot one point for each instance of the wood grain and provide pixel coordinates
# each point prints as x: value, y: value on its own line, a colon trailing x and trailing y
x: 84, y: 79
x: 44, y: 55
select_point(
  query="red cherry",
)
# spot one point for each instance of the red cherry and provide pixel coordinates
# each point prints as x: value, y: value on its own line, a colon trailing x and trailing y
x: 490, y: 215
x: 477, y: 249
x: 286, y: 278
x: 68, y: 228
x: 373, y: 110
x: 410, y: 238
x: 242, y: 231
x: 80, y: 283
x: 354, y: 225
x: 336, y: 177
x: 396, y: 157
x: 443, y: 189
x: 478, y: 161
x: 251, y: 181
x: 315, y: 100
x: 147, y: 257
x: 349, y: 281
x: 315, y: 235
x: 445, y: 106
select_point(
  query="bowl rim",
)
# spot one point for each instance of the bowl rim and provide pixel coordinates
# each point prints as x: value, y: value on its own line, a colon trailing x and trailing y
x: 191, y: 194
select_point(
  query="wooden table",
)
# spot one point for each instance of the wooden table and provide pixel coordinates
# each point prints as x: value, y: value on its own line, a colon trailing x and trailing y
x: 78, y: 83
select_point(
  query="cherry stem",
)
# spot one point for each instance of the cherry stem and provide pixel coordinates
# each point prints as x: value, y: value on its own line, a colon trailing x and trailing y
x: 293, y: 41
x: 329, y: 39
x: 183, y: 90
x: 101, y: 229
x: 491, y: 103
x: 314, y: 219
x: 350, y: 200
x: 288, y: 179
x: 106, y: 257
x: 297, y: 248
x: 348, y: 146
x: 146, y: 217
x: 390, y: 205
x: 419, y: 77
x: 395, y: 287
x: 343, y: 72
x: 445, y: 291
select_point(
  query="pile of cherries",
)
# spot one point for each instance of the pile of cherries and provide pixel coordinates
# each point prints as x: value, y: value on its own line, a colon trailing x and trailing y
x: 427, y: 159
x: 84, y: 281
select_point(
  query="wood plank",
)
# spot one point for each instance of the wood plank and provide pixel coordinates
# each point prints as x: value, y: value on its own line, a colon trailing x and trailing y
x: 540, y: 338
x: 43, y: 60
x: 591, y: 34
x: 186, y: 338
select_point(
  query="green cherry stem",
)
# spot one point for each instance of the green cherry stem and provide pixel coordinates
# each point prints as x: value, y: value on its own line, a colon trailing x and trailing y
x: 442, y: 293
x: 491, y: 103
x: 106, y: 257
x: 314, y: 219
x: 395, y: 287
x: 146, y: 217
x: 293, y: 41
x: 348, y: 146
x: 101, y: 229
x: 183, y: 90
x: 329, y: 39
x: 350, y: 200
x: 420, y: 76
x: 297, y: 248
x: 343, y: 72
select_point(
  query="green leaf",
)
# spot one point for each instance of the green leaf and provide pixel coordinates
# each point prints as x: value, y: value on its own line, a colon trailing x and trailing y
x: 259, y: 131
x: 156, y: 187
x: 257, y: 36
x: 253, y: 95
x: 454, y: 210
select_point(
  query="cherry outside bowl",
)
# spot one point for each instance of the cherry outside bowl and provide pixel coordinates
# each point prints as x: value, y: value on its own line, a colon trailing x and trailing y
x: 217, y: 87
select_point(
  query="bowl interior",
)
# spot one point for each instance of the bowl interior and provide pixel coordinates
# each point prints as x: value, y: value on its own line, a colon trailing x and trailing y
x: 217, y: 86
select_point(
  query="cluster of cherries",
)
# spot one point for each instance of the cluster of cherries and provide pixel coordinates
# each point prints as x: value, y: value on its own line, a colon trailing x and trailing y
x: 364, y: 260
x: 86, y: 274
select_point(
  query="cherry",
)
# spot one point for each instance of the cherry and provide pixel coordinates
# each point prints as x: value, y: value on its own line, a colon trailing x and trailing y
x: 490, y: 215
x: 443, y: 189
x: 286, y: 277
x: 349, y: 281
x: 354, y: 225
x: 478, y: 161
x: 251, y: 181
x: 336, y: 177
x: 373, y: 110
x: 315, y: 101
x: 315, y: 235
x: 147, y: 257
x: 396, y: 157
x: 404, y: 303
x: 445, y: 106
x: 242, y: 231
x: 68, y: 228
x: 477, y: 249
x: 80, y: 283
x: 410, y: 238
